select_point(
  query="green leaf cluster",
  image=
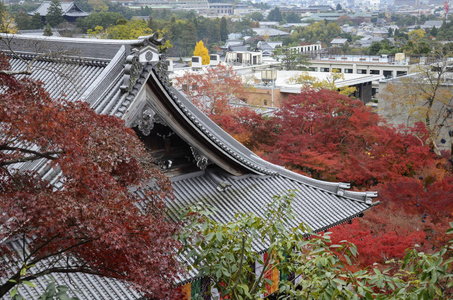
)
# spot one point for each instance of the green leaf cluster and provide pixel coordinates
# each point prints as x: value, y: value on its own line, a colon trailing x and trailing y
x: 312, y: 267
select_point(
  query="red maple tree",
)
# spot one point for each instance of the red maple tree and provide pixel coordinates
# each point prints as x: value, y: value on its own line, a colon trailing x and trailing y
x: 333, y: 137
x: 212, y: 90
x: 83, y: 217
x: 330, y: 136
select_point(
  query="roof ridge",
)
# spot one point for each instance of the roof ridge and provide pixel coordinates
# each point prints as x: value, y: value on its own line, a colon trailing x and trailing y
x: 246, y: 157
x: 60, y: 58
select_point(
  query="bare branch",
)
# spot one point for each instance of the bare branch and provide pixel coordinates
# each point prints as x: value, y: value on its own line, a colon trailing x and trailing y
x: 37, y: 155
x: 33, y: 262
x: 11, y: 73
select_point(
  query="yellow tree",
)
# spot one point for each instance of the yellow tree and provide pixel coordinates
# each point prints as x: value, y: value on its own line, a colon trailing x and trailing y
x: 328, y: 83
x: 201, y: 50
x: 7, y: 24
x: 129, y: 30
x: 416, y: 35
x: 98, y: 32
x: 98, y: 5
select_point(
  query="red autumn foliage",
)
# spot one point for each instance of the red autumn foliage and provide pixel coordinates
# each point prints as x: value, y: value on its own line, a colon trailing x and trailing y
x: 381, y: 236
x: 92, y: 217
x: 434, y: 200
x: 332, y: 137
x: 212, y: 89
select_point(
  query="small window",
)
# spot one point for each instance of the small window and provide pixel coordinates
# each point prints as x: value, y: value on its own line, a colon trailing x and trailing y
x: 388, y: 74
x: 265, y: 102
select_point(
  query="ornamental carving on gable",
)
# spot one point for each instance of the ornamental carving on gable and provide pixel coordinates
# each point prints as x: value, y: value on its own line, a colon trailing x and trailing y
x: 161, y: 70
x: 147, y: 120
x: 132, y: 70
x: 201, y: 160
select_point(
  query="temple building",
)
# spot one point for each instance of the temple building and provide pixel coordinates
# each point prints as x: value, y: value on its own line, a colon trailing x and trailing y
x: 71, y: 12
x: 128, y: 79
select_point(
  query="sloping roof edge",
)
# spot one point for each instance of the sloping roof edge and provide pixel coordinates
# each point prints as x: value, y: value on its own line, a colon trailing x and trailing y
x: 238, y: 153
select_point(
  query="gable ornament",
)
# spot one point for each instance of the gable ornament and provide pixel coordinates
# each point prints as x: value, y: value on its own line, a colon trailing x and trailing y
x: 201, y: 160
x: 132, y: 70
x: 146, y: 121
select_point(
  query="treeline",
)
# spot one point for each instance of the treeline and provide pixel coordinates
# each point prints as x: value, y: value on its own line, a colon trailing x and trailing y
x: 415, y: 42
x: 110, y: 20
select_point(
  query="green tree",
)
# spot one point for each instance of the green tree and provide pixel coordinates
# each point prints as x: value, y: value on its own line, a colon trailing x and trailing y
x: 310, y: 268
x: 98, y: 32
x: 322, y: 31
x: 55, y: 13
x: 256, y: 16
x: 292, y: 17
x: 390, y: 32
x: 48, y: 30
x: 98, y: 5
x: 223, y: 29
x: 150, y: 22
x: 275, y: 15
x: 7, y: 23
x: 201, y: 50
x: 23, y: 21
x: 374, y: 48
x: 36, y: 21
x: 104, y: 19
x: 293, y: 60
x: 183, y: 37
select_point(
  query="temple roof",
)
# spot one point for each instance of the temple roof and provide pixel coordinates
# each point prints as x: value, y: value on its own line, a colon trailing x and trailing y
x: 127, y: 79
x: 70, y: 9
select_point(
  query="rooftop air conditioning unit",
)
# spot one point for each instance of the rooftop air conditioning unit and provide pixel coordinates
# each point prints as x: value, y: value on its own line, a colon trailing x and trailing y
x: 215, y: 59
x: 196, y: 62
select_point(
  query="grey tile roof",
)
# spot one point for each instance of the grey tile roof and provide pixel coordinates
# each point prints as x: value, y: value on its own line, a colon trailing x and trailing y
x: 430, y: 24
x: 69, y: 79
x: 100, y: 77
x: 338, y: 41
x: 78, y: 69
x: 233, y: 43
x: 269, y: 32
x: 239, y: 48
x: 250, y: 193
x: 70, y: 9
x: 89, y: 49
